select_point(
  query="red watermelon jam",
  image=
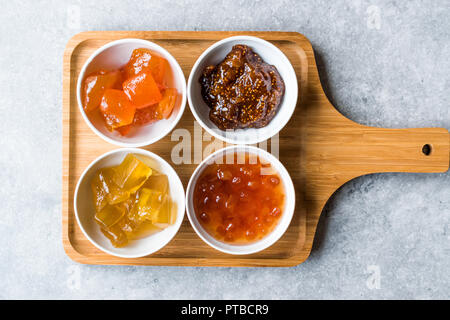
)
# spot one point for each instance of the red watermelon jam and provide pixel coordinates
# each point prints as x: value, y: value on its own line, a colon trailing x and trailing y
x: 239, y: 203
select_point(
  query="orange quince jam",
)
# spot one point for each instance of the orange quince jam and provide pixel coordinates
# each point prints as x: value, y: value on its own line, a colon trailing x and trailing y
x: 146, y: 93
x: 95, y: 86
x: 117, y: 110
x: 142, y: 60
x: 142, y: 90
x: 239, y: 203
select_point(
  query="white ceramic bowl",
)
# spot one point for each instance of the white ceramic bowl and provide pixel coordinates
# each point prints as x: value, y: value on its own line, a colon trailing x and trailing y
x: 85, y: 211
x: 271, y: 55
x: 283, y: 222
x: 115, y: 55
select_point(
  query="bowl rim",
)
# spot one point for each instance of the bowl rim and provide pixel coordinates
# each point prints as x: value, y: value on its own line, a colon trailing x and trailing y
x: 280, y: 229
x: 127, y: 150
x: 213, y: 131
x: 178, y: 72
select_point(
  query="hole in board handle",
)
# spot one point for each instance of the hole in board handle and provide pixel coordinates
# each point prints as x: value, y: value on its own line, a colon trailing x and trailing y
x: 426, y: 149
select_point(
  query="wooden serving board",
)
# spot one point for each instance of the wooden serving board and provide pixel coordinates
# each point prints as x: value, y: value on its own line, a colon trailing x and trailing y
x: 320, y: 148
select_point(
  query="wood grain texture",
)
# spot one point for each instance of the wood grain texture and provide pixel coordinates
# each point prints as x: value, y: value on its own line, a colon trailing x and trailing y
x: 320, y: 148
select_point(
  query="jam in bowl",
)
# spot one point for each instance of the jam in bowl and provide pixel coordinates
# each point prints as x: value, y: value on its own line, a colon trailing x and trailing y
x: 240, y: 200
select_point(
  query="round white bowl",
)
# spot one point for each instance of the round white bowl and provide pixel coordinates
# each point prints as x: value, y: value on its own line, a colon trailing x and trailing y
x: 85, y: 210
x: 115, y: 55
x: 271, y: 55
x: 283, y: 222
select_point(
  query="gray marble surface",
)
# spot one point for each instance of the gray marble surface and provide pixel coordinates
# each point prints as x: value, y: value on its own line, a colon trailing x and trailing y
x: 383, y: 63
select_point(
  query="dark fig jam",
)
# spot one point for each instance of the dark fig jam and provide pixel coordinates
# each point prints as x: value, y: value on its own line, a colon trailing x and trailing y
x: 242, y: 91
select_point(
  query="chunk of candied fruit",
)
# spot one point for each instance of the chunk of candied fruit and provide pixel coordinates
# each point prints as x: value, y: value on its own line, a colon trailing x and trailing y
x: 158, y: 67
x: 116, y: 235
x: 124, y: 130
x: 143, y: 59
x: 109, y: 215
x: 100, y: 190
x: 115, y: 193
x: 128, y: 226
x: 95, y: 86
x: 131, y: 174
x: 117, y: 110
x: 148, y: 204
x: 164, y: 216
x: 145, y: 229
x: 146, y: 115
x: 167, y: 103
x: 105, y: 191
x: 142, y: 90
x: 158, y: 182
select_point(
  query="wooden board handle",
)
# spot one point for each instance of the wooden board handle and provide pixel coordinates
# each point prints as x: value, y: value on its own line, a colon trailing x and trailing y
x: 399, y: 150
